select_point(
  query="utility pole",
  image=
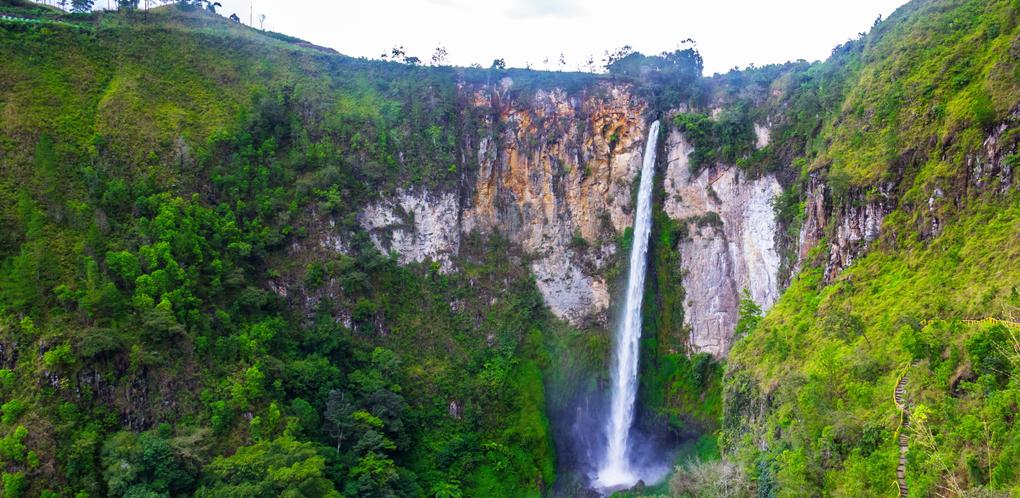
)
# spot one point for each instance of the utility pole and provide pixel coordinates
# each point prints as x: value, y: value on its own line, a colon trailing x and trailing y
x: 251, y: 13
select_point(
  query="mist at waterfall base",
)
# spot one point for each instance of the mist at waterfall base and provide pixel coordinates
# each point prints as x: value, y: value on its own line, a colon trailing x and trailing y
x: 579, y: 434
x: 602, y: 444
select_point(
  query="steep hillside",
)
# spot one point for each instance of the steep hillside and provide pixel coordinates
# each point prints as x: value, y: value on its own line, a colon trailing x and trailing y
x: 910, y: 231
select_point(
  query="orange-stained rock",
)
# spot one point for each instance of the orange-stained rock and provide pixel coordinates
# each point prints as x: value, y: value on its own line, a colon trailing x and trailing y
x: 554, y: 168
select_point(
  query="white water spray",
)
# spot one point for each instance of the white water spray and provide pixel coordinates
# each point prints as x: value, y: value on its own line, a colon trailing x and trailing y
x: 615, y: 471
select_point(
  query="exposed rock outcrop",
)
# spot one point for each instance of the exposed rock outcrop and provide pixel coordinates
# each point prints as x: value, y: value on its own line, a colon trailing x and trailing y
x: 816, y: 212
x: 555, y: 176
x: 762, y: 134
x: 732, y: 247
x: 858, y: 224
x: 855, y: 224
x: 857, y: 221
x: 416, y: 224
x: 991, y: 169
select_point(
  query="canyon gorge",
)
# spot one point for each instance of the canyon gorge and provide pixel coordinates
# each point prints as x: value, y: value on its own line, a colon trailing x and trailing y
x: 235, y: 263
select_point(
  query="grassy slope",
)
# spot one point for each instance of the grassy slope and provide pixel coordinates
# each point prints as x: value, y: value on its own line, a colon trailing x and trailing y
x: 932, y: 82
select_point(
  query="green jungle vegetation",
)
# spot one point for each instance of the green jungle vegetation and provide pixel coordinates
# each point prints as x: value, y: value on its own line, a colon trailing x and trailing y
x: 808, y: 405
x: 155, y: 171
x: 156, y: 168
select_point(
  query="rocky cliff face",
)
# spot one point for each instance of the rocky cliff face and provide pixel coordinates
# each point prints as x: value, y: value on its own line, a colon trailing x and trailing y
x: 555, y: 174
x: 857, y: 226
x: 418, y: 225
x: 857, y: 222
x: 991, y: 169
x: 816, y: 213
x: 731, y: 245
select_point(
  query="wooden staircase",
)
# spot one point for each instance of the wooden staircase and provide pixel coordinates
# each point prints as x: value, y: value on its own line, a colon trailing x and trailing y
x: 903, y: 439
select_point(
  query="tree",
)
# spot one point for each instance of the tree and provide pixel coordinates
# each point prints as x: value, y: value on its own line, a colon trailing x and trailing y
x: 439, y: 56
x: 124, y: 266
x: 843, y: 324
x: 281, y: 467
x: 29, y: 275
x: 338, y: 416
x: 924, y: 437
x: 14, y: 484
x: 389, y: 407
x: 211, y: 6
x: 750, y: 315
x: 499, y: 64
x: 49, y: 176
x: 447, y: 489
x: 262, y: 21
x: 720, y: 479
x: 306, y: 417
x: 81, y: 6
x: 233, y: 17
x: 12, y: 446
x: 148, y: 464
x: 373, y: 475
x: 617, y: 55
x: 396, y: 53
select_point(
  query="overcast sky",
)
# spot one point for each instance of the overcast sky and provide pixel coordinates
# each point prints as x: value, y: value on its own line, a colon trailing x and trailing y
x: 728, y: 33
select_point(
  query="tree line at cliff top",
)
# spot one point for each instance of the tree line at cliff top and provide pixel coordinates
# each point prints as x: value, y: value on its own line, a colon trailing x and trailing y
x: 84, y: 6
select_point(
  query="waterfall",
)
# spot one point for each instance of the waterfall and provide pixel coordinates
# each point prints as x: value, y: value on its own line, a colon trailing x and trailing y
x: 615, y: 470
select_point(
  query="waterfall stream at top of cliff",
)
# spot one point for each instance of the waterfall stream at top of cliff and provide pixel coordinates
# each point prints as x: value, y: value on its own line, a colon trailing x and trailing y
x: 616, y: 471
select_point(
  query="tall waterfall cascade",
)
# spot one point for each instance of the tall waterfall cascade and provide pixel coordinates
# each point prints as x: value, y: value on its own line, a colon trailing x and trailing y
x: 616, y: 470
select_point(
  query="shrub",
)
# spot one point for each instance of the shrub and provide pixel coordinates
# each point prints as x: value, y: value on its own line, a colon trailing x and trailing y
x: 58, y: 357
x: 12, y: 410
x: 720, y: 479
x: 6, y: 379
x: 14, y: 484
x: 12, y: 446
x: 578, y: 242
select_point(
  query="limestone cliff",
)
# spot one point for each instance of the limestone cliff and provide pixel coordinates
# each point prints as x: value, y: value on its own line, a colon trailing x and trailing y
x: 418, y: 225
x: 554, y: 176
x: 553, y: 171
x: 731, y: 245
